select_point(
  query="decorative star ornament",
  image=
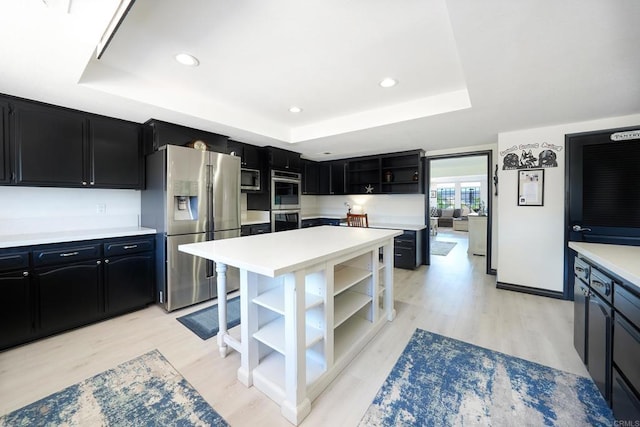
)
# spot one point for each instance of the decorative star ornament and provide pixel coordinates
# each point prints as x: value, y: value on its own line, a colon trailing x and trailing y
x: 369, y: 189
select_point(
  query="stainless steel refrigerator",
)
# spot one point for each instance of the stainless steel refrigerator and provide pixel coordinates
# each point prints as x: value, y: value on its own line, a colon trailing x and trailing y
x: 190, y: 196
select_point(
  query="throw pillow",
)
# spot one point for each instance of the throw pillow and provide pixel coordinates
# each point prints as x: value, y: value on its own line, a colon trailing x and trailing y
x: 433, y: 212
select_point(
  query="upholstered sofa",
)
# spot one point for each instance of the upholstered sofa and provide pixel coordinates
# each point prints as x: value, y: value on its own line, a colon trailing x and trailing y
x: 452, y: 217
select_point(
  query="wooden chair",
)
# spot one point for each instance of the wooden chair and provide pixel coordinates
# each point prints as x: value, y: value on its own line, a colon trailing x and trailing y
x: 357, y: 220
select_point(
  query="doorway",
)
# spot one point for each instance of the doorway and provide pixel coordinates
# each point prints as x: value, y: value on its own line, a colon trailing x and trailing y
x: 456, y: 186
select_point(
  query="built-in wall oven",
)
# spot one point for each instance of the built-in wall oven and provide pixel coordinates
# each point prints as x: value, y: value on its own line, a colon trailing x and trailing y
x: 285, y: 200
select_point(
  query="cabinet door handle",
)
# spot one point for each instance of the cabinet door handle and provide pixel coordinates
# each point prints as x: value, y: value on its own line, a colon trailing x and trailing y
x: 398, y: 254
x: 98, y: 262
x: 25, y: 273
x: 130, y: 246
x: 106, y: 261
x: 84, y: 182
x: 70, y: 254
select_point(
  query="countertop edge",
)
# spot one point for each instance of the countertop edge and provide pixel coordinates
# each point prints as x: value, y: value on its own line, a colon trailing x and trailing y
x: 18, y: 240
x: 619, y: 259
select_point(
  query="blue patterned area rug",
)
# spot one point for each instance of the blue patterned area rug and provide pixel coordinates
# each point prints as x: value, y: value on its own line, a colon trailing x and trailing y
x: 440, y: 381
x: 204, y: 323
x: 146, y: 391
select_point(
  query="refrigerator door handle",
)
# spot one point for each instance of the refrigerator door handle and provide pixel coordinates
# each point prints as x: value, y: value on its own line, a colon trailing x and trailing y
x: 209, y: 199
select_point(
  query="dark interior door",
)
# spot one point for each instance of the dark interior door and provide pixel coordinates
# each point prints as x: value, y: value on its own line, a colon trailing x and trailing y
x: 603, y: 196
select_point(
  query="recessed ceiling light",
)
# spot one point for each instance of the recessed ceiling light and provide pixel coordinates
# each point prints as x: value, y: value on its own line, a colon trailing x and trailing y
x: 295, y: 109
x: 388, y: 82
x: 186, y: 59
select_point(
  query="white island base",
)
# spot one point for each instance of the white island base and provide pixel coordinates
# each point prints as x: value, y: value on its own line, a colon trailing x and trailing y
x: 311, y: 299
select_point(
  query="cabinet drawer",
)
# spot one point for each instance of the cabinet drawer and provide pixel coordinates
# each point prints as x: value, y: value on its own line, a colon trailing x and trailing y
x: 260, y: 228
x: 581, y: 269
x: 128, y: 247
x: 406, y: 240
x: 628, y: 304
x: 14, y: 261
x: 626, y: 350
x: 602, y: 284
x: 404, y: 257
x: 65, y: 254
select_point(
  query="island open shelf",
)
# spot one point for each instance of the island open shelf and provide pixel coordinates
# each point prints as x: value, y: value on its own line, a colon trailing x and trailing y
x: 306, y: 313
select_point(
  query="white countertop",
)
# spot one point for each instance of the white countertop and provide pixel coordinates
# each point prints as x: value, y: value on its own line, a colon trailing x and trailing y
x: 274, y: 254
x: 14, y: 240
x: 619, y: 259
x: 315, y: 216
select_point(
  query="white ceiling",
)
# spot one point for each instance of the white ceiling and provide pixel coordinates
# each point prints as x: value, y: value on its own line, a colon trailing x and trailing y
x: 466, y: 70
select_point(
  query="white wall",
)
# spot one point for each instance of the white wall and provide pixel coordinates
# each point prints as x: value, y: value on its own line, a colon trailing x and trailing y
x: 531, y: 239
x: 39, y: 209
x: 381, y: 208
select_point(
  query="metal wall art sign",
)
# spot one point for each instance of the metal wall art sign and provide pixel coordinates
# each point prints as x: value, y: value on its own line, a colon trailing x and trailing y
x: 545, y: 156
x: 625, y: 136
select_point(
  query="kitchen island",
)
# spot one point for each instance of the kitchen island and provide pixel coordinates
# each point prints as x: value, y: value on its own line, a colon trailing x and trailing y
x: 311, y: 299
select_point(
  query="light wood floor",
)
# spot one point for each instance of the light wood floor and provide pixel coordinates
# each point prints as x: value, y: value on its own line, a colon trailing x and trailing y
x: 452, y: 297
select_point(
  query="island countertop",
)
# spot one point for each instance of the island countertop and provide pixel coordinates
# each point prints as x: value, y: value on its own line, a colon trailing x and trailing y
x: 274, y: 254
x: 619, y: 259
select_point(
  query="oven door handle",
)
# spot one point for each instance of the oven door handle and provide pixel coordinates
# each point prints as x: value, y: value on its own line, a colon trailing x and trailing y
x: 287, y: 180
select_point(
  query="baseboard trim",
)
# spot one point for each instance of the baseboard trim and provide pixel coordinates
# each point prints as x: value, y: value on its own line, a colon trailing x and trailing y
x: 529, y: 290
x: 493, y: 272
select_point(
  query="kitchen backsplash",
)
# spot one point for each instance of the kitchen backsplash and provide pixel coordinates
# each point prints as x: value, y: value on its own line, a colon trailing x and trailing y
x: 381, y: 208
x: 26, y: 210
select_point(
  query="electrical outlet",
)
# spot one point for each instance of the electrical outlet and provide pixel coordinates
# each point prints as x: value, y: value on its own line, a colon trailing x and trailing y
x: 101, y: 208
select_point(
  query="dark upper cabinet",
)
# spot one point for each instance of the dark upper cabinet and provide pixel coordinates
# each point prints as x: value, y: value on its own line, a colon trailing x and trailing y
x: 324, y: 178
x: 50, y: 145
x: 337, y: 183
x: 363, y: 176
x: 310, y: 177
x: 116, y: 153
x: 158, y: 133
x: 250, y: 155
x: 316, y: 177
x: 395, y: 173
x: 58, y: 147
x: 5, y: 168
x: 284, y: 159
x: 402, y: 172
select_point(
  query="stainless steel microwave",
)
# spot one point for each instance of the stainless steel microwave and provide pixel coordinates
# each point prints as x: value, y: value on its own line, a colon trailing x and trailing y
x: 250, y: 179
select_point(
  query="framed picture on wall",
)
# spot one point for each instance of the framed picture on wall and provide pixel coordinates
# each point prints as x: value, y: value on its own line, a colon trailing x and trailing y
x: 432, y: 194
x: 531, y: 187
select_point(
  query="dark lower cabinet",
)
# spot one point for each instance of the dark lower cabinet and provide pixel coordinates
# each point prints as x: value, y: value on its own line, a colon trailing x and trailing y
x: 626, y: 404
x: 16, y: 314
x: 580, y: 325
x: 128, y: 282
x: 599, y: 344
x: 68, y: 296
x: 253, y: 229
x: 610, y: 336
x: 48, y: 289
x: 407, y: 249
